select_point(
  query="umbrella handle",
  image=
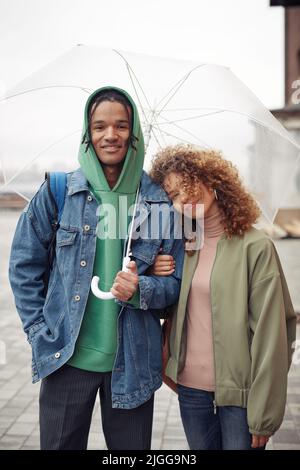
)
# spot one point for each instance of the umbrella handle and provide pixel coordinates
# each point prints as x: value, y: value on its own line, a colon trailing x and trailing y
x: 95, y: 283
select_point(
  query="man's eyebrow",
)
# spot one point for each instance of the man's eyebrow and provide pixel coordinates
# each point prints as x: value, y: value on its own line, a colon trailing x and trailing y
x: 99, y: 121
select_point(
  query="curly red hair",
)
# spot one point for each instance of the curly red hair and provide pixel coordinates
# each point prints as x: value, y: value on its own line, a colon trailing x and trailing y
x: 240, y: 210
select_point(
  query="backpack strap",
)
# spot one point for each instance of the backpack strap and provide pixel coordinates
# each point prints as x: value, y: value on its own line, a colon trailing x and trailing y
x: 57, y: 183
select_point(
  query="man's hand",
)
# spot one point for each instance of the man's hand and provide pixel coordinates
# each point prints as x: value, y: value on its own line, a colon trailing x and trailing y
x: 259, y: 441
x: 126, y: 284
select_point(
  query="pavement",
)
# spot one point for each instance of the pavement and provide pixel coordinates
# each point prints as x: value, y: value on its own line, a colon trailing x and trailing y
x: 19, y: 429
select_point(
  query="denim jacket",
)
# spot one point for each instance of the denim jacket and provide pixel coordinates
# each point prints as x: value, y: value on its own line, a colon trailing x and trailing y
x: 52, y: 321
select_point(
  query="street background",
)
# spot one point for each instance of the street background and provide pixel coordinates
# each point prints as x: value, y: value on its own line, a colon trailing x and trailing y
x: 259, y: 43
x: 19, y: 398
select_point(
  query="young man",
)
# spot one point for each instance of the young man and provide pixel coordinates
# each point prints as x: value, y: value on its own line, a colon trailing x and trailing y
x: 81, y: 344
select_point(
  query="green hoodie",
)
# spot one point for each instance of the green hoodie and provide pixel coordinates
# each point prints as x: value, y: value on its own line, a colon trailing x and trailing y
x: 97, y: 341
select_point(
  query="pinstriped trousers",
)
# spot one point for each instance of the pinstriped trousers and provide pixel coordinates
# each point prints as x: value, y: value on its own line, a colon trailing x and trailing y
x: 67, y: 399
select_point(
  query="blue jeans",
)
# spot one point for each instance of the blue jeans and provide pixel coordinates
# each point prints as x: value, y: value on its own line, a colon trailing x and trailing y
x: 210, y: 428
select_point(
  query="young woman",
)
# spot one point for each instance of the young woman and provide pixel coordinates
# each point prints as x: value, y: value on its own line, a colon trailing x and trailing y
x: 234, y: 324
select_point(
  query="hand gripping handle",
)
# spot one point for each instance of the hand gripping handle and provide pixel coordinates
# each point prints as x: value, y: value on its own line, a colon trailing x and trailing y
x: 95, y: 283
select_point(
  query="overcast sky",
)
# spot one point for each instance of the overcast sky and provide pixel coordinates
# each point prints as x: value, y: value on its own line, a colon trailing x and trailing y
x: 246, y: 35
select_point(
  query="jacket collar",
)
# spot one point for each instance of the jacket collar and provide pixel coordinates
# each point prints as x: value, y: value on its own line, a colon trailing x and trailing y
x: 77, y: 182
x: 149, y: 190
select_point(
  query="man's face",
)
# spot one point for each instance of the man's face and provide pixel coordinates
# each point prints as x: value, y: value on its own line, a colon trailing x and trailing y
x: 110, y: 132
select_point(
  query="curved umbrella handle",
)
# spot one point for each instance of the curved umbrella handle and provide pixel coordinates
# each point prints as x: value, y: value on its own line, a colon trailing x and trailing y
x: 95, y: 283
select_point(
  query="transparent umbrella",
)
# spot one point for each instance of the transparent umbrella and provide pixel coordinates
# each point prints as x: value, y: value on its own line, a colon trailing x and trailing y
x: 198, y: 103
x: 178, y: 101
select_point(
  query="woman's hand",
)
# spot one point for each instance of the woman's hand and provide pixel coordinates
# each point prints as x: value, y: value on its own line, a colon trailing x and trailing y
x: 259, y: 441
x: 164, y: 265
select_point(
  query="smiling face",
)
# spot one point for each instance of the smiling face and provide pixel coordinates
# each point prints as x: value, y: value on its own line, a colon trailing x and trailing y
x: 179, y: 196
x: 110, y: 130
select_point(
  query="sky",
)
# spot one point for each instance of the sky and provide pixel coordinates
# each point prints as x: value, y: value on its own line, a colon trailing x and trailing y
x: 245, y: 35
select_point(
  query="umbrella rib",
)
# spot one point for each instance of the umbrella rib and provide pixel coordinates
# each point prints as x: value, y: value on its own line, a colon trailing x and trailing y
x: 3, y: 170
x: 154, y: 120
x: 192, y: 117
x: 178, y: 85
x: 266, y: 126
x: 156, y: 138
x: 176, y: 137
x: 187, y: 132
x: 187, y: 109
x: 186, y: 141
x: 137, y: 95
x: 162, y: 137
x: 21, y: 195
x: 148, y: 122
x: 150, y: 130
x: 37, y: 156
x: 131, y: 75
x: 87, y: 90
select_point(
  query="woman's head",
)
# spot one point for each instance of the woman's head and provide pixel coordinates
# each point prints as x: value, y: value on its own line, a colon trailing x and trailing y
x: 192, y: 175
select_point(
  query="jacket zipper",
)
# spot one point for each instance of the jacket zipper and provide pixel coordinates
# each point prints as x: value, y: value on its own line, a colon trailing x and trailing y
x: 213, y: 334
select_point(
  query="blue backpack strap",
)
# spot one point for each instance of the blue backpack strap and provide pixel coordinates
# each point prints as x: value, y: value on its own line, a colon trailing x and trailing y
x: 58, y: 184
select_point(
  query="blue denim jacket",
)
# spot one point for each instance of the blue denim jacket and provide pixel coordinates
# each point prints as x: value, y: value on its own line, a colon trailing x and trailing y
x: 52, y: 323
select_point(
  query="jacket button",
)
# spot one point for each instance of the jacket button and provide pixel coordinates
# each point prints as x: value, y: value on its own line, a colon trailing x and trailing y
x: 89, y: 198
x: 77, y: 297
x: 83, y: 263
x: 57, y: 355
x: 86, y: 228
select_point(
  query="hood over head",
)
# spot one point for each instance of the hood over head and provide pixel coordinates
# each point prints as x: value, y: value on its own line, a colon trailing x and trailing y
x: 131, y: 173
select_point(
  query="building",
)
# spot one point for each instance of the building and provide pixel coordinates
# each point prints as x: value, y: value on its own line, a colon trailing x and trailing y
x: 290, y: 114
x: 283, y: 157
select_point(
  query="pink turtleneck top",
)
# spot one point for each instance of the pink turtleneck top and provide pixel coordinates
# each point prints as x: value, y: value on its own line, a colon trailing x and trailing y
x: 198, y: 371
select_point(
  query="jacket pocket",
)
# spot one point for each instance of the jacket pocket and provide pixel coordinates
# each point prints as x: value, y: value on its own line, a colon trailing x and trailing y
x: 37, y: 326
x: 65, y: 237
x: 67, y: 250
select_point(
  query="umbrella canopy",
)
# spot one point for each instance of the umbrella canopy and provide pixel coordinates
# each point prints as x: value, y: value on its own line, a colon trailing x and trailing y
x: 178, y: 101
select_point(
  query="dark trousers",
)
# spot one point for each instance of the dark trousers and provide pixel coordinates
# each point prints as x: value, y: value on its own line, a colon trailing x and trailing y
x: 67, y: 399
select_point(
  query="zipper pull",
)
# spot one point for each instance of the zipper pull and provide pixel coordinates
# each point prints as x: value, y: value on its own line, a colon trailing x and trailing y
x: 215, y: 407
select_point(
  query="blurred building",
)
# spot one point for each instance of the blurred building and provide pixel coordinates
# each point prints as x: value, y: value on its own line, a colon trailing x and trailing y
x: 285, y: 160
x: 289, y: 115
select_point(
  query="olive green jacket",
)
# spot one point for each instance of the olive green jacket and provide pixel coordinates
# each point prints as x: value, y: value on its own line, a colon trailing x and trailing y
x: 253, y: 324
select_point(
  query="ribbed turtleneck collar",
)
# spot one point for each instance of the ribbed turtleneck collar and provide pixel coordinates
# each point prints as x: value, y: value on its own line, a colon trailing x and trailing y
x: 212, y: 223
